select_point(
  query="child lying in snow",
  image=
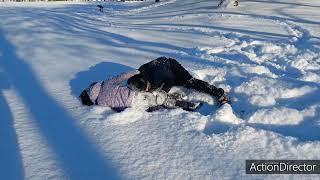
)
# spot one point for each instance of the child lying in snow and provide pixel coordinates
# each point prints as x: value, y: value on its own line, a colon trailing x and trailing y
x: 116, y: 94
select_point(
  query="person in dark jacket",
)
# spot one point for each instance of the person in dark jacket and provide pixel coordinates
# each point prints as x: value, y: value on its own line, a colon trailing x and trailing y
x: 164, y: 73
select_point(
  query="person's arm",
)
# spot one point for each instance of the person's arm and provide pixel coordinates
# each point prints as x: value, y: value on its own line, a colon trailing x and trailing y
x: 159, y: 99
x: 149, y: 99
x: 153, y: 101
x: 116, y: 80
x: 154, y: 108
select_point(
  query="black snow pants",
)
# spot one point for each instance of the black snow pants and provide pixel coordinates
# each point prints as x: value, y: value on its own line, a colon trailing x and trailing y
x: 165, y: 73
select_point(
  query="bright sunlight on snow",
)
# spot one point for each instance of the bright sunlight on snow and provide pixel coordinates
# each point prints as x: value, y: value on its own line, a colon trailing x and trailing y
x: 264, y: 53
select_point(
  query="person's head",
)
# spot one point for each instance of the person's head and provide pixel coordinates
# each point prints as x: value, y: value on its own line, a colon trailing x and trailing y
x: 89, y: 96
x: 139, y: 83
x: 85, y: 98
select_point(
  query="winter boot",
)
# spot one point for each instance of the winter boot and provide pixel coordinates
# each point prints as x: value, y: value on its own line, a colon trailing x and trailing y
x: 188, y: 106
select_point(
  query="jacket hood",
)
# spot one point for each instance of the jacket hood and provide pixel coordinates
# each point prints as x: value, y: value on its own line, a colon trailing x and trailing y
x: 93, y: 91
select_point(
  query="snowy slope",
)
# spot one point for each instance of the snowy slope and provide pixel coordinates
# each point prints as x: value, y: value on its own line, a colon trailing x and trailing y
x: 264, y: 53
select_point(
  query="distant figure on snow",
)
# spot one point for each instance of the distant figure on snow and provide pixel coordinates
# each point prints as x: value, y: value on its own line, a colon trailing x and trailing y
x: 236, y: 3
x: 100, y: 8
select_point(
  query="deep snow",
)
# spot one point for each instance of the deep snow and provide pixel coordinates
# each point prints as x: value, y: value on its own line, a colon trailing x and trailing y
x: 264, y: 53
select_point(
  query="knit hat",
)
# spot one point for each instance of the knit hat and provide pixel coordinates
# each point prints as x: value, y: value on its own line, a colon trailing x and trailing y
x: 93, y: 91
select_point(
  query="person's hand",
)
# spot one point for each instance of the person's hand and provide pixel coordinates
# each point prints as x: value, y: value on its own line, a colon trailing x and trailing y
x: 161, y: 96
x: 175, y: 95
x: 165, y: 99
x: 224, y: 100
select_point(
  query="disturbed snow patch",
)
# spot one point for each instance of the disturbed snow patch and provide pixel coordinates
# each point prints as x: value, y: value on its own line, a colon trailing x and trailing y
x: 265, y: 91
x: 281, y: 116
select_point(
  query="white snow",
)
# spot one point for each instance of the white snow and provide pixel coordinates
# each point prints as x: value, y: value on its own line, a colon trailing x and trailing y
x: 265, y: 91
x: 277, y: 116
x: 265, y: 54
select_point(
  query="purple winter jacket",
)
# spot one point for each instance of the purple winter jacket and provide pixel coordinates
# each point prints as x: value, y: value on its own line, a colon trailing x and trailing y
x: 113, y: 92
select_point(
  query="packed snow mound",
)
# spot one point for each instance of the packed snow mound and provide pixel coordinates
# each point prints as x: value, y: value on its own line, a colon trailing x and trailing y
x: 265, y: 91
x: 226, y: 115
x: 281, y: 116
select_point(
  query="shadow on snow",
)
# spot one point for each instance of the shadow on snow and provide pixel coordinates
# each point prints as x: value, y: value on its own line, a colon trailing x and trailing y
x: 11, y: 165
x: 98, y: 72
x: 76, y: 152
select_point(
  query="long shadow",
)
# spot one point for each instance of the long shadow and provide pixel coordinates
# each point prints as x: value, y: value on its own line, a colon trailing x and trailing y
x: 72, y: 25
x: 180, y: 9
x: 270, y: 17
x: 217, y: 128
x: 286, y: 3
x: 244, y: 31
x: 307, y: 130
x: 186, y: 32
x: 98, y: 72
x: 77, y: 154
x: 122, y: 41
x: 11, y: 166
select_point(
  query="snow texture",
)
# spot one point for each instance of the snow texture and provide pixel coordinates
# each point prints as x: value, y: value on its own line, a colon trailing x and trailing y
x: 265, y: 54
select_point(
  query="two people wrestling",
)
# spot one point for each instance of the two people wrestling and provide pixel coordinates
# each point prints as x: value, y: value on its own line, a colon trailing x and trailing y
x: 149, y: 87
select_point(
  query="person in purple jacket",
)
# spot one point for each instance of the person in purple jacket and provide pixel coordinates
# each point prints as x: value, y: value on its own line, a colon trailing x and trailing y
x: 116, y: 93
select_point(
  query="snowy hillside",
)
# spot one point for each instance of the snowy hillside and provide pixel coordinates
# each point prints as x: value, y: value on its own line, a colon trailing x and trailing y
x: 264, y: 53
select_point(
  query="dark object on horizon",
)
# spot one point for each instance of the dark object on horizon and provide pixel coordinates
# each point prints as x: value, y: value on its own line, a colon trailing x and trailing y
x: 220, y: 3
x: 157, y: 0
x: 100, y: 8
x: 236, y: 3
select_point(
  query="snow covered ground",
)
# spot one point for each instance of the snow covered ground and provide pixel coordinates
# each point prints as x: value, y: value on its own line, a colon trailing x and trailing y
x: 264, y: 53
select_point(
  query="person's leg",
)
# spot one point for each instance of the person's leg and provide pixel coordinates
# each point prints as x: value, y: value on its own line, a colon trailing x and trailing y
x: 186, y: 105
x: 175, y: 101
x: 167, y: 72
x: 204, y: 87
x: 158, y: 73
x: 181, y: 74
x: 185, y: 79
